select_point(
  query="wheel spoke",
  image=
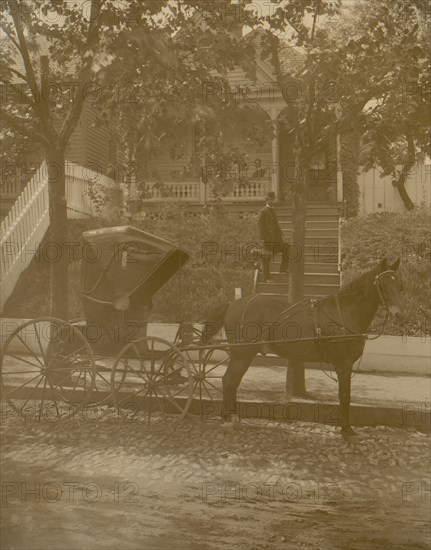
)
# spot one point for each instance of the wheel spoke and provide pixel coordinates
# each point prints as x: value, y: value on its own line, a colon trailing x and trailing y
x: 32, y: 391
x: 39, y: 342
x: 28, y: 382
x: 149, y: 410
x: 170, y: 374
x: 205, y: 388
x: 59, y: 383
x: 218, y: 390
x: 21, y: 372
x: 65, y: 358
x: 214, y: 367
x: 43, y: 398
x: 19, y: 358
x: 132, y: 395
x: 179, y: 391
x: 32, y: 354
x: 102, y: 377
x: 140, y: 407
x: 160, y: 405
x: 172, y: 401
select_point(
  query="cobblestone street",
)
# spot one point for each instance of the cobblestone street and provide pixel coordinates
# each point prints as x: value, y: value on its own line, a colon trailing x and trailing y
x: 105, y: 484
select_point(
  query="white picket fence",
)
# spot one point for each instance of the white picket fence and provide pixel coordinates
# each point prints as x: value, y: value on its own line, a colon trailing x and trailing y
x: 24, y: 227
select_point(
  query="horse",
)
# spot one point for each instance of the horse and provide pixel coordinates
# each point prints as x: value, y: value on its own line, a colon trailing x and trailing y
x: 332, y: 329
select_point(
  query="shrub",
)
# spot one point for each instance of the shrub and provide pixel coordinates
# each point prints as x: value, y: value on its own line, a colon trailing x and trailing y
x: 368, y: 239
x: 220, y: 261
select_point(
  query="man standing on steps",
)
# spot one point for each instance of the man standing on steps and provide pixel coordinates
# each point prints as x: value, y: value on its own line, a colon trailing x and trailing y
x: 271, y: 237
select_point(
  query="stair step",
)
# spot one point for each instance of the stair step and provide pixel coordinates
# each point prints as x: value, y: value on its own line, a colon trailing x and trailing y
x: 312, y: 259
x: 309, y: 278
x: 312, y: 224
x: 317, y: 207
x: 311, y: 216
x: 331, y: 234
x: 310, y: 267
x: 314, y: 240
x: 306, y: 296
x: 324, y: 252
x: 283, y: 288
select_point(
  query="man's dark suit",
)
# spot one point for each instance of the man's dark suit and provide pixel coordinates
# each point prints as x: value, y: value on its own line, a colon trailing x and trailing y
x: 271, y: 236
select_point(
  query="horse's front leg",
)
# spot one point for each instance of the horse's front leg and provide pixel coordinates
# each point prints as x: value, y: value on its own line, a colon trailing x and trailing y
x: 232, y: 377
x: 344, y: 374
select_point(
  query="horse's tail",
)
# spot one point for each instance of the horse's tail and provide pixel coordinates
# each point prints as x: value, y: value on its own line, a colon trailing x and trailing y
x: 214, y: 322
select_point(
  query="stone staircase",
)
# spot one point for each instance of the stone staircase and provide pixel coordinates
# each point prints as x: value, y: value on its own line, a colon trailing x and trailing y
x: 322, y: 275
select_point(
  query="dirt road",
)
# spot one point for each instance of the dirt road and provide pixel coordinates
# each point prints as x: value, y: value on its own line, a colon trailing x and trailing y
x: 103, y: 484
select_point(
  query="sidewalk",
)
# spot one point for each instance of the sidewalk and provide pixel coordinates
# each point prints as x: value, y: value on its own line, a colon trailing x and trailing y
x: 377, y: 399
x: 389, y: 390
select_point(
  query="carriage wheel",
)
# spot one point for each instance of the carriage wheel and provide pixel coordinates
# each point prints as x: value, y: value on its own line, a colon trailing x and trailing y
x: 152, y: 384
x: 47, y: 360
x: 208, y: 372
x: 101, y: 393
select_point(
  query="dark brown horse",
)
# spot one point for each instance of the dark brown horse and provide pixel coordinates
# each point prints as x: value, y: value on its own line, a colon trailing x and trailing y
x: 328, y: 330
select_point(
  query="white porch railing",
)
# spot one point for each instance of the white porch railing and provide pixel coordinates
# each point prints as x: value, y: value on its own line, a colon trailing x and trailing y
x: 24, y: 227
x: 199, y: 192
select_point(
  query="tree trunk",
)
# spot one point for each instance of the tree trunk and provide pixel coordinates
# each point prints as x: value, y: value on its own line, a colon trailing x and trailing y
x: 59, y: 262
x: 399, y: 184
x: 295, y: 379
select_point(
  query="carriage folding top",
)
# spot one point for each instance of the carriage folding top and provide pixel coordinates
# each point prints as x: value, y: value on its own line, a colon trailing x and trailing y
x: 121, y: 270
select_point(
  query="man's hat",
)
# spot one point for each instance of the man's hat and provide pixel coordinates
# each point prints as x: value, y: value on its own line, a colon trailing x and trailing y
x: 271, y: 196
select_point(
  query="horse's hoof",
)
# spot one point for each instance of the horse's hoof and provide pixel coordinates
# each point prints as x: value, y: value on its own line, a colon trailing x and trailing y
x: 228, y: 426
x: 349, y: 434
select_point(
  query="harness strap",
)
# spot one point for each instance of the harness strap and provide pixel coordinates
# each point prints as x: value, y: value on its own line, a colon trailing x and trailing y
x: 241, y: 324
x: 377, y: 284
x: 337, y: 303
x: 315, y: 311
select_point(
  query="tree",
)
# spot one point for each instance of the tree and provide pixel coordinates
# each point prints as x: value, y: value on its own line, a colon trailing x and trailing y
x: 70, y: 50
x: 47, y: 112
x: 186, y: 86
x: 352, y: 58
x: 395, y: 123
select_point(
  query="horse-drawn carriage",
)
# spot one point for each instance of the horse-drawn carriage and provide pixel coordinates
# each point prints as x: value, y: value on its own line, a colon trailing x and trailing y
x: 111, y: 360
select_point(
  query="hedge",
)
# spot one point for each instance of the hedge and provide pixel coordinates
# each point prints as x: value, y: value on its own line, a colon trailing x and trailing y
x: 368, y: 239
x: 219, y: 245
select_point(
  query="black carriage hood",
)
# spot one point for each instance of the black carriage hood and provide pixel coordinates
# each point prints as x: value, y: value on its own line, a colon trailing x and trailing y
x: 125, y: 266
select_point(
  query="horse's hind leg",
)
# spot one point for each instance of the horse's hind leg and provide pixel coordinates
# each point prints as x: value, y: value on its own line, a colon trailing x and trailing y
x: 238, y: 366
x: 344, y: 374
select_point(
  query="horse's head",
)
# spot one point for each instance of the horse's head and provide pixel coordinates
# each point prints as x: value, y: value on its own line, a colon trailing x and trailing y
x: 389, y: 286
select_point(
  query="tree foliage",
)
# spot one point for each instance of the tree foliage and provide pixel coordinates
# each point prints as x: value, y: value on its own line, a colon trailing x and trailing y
x: 57, y: 54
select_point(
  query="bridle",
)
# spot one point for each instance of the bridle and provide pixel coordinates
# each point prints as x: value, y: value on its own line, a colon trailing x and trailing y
x: 378, y: 284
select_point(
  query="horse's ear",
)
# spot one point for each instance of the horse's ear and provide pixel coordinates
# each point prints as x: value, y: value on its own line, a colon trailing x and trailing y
x: 384, y: 264
x: 396, y: 264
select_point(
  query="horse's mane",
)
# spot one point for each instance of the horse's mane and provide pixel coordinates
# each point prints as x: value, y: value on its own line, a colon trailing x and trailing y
x: 362, y: 283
